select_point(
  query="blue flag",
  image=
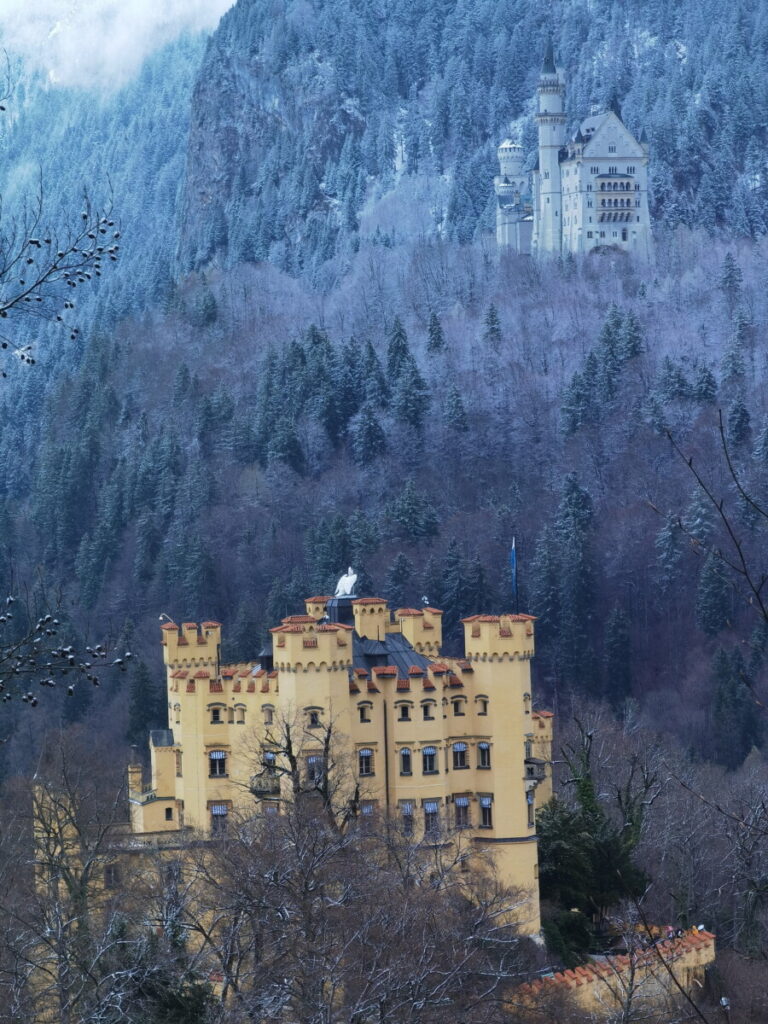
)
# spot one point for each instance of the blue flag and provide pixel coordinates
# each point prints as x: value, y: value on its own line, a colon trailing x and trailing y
x: 513, y: 572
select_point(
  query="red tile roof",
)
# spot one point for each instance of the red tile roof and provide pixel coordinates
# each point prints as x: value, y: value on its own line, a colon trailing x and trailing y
x: 319, y: 599
x: 203, y: 673
x: 435, y: 611
x: 404, y: 612
x: 369, y: 600
x: 169, y: 625
x: 211, y: 624
x: 543, y: 714
x: 403, y: 684
x: 384, y: 670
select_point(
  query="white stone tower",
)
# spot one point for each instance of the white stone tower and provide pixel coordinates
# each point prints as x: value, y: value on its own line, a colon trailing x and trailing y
x: 514, y: 222
x: 548, y: 197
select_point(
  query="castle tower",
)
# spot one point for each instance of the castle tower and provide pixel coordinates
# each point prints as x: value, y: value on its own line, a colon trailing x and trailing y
x: 550, y: 117
x: 514, y: 224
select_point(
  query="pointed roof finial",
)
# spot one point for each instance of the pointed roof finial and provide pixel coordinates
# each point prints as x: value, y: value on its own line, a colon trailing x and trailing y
x: 548, y: 67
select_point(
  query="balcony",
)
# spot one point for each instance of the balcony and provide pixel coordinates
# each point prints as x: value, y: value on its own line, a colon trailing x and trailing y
x: 265, y: 784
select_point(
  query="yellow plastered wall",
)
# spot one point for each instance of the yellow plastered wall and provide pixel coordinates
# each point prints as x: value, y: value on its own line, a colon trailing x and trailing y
x: 480, y: 701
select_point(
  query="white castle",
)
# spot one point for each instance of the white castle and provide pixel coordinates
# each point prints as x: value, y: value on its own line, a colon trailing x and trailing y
x: 588, y: 192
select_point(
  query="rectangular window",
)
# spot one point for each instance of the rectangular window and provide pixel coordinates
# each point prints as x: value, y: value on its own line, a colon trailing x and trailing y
x: 365, y: 761
x: 404, y: 713
x: 431, y: 817
x: 405, y: 761
x: 589, y: 234
x: 486, y: 812
x: 241, y: 716
x: 611, y: 149
x: 314, y: 719
x: 483, y: 755
x: 460, y: 756
x: 406, y: 809
x: 169, y: 814
x: 217, y: 764
x: 594, y: 170
x: 268, y: 716
x: 365, y: 714
x: 111, y: 876
x: 461, y: 809
x: 589, y: 187
x: 428, y: 712
x: 429, y: 760
x: 531, y: 809
x: 589, y: 204
x: 458, y: 708
x: 482, y: 706
x: 178, y: 764
x: 315, y: 768
x: 215, y: 716
x: 219, y: 818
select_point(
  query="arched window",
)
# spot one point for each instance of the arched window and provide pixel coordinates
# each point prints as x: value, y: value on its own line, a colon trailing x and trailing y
x: 365, y: 761
x: 217, y: 763
x: 460, y: 755
x: 405, y: 761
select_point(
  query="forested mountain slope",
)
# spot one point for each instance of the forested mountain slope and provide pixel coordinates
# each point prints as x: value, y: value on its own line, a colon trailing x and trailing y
x: 312, y: 355
x: 317, y: 123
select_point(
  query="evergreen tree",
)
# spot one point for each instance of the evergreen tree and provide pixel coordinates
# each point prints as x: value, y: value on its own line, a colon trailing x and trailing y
x: 398, y: 580
x: 738, y: 429
x: 435, y: 336
x: 630, y: 344
x: 712, y: 597
x: 736, y: 727
x: 412, y: 514
x: 617, y: 658
x: 147, y: 706
x: 454, y: 414
x: 704, y: 387
x: 668, y: 553
x: 492, y: 329
x: 731, y: 279
x: 368, y: 440
x: 573, y: 526
x: 698, y: 518
x: 399, y: 358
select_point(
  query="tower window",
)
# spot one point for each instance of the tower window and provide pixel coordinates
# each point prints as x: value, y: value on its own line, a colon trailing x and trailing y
x: 594, y: 170
x: 611, y: 149
x: 169, y: 814
x: 404, y: 713
x: 531, y: 812
x: 178, y: 763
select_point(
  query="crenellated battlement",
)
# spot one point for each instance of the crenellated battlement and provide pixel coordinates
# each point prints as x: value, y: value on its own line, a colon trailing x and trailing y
x: 498, y: 637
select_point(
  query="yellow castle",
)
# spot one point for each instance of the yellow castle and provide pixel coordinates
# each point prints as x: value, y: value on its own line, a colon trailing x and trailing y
x: 443, y: 746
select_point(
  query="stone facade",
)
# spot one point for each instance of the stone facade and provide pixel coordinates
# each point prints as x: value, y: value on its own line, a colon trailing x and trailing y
x: 587, y: 193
